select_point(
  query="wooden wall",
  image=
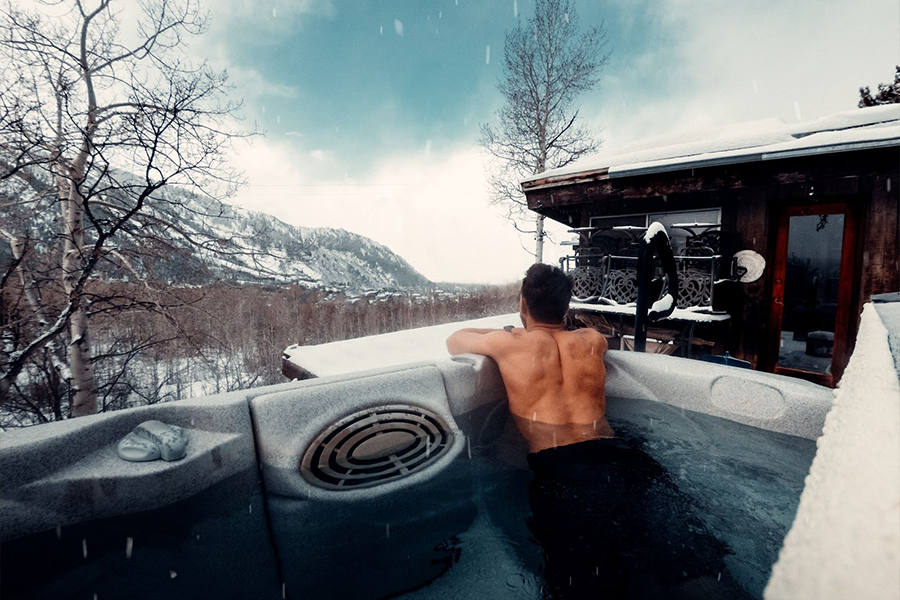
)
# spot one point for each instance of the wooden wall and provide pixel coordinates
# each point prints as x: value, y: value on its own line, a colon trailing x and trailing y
x: 880, y: 237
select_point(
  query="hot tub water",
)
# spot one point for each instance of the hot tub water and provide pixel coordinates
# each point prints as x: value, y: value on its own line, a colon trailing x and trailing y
x: 744, y: 484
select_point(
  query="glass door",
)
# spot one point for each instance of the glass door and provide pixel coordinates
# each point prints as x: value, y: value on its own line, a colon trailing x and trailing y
x: 812, y: 291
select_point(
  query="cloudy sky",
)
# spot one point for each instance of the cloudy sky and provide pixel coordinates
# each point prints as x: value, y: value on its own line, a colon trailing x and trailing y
x: 372, y: 108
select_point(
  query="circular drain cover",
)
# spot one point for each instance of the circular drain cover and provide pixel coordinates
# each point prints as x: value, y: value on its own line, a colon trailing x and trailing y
x: 374, y: 446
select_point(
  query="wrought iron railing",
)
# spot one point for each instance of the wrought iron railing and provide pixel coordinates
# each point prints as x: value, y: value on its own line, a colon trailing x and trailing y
x: 612, y: 279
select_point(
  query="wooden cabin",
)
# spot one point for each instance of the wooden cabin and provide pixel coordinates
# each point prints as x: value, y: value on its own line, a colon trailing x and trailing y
x: 818, y: 201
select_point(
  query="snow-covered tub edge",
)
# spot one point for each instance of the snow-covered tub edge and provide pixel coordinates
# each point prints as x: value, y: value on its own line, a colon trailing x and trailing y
x: 845, y: 540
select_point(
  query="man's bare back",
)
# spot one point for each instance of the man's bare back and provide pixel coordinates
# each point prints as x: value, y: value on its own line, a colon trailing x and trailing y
x: 554, y: 378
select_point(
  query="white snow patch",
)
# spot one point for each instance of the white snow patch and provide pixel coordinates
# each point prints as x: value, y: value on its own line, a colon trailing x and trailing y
x: 663, y: 304
x: 388, y: 349
x: 655, y: 227
x: 678, y: 314
x: 845, y: 541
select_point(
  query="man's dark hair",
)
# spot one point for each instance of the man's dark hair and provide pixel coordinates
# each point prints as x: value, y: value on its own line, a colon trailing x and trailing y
x: 547, y: 291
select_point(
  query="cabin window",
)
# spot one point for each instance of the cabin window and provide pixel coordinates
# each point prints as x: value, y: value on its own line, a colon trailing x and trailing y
x: 668, y: 220
x: 678, y: 236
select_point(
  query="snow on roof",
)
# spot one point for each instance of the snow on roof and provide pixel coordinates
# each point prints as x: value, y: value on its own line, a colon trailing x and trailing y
x: 388, y: 349
x: 769, y: 139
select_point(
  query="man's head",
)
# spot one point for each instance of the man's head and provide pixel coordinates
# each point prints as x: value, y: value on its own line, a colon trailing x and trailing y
x: 546, y: 291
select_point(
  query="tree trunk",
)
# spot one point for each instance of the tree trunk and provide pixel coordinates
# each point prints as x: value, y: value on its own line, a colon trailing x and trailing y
x: 539, y: 239
x: 84, y: 401
x: 84, y: 386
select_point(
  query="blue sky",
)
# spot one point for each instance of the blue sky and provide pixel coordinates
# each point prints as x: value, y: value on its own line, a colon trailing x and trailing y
x: 359, y: 78
x: 372, y: 108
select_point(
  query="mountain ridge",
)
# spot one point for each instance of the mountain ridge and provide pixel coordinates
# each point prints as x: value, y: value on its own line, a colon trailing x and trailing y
x: 319, y: 256
x: 182, y: 237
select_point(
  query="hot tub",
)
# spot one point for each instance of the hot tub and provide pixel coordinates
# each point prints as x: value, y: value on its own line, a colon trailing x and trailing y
x: 404, y: 480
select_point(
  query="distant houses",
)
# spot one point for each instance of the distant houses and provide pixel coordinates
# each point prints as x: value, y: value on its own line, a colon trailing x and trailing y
x: 818, y: 201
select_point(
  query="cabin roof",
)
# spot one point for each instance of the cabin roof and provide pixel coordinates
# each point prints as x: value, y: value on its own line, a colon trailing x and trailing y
x: 765, y: 140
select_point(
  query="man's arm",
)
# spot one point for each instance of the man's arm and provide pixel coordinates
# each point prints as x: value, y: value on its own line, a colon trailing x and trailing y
x: 489, y: 342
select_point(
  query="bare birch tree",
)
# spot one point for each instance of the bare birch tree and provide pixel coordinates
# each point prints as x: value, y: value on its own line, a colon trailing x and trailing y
x: 98, y: 118
x: 548, y: 63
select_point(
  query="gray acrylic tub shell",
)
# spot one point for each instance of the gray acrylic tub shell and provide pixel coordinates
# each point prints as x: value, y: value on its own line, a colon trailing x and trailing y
x: 287, y: 422
x: 68, y: 472
x: 771, y: 402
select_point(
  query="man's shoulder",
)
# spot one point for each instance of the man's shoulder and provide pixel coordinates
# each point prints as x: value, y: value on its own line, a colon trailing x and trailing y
x: 588, y: 334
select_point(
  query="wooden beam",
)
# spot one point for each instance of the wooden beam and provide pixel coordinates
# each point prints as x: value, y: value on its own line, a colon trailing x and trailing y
x: 293, y: 371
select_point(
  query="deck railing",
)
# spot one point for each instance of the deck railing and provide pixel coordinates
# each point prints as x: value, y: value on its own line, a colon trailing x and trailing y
x: 612, y: 279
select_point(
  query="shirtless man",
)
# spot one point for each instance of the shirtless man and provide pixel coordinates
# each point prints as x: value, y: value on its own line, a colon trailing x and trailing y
x: 609, y: 519
x: 554, y: 378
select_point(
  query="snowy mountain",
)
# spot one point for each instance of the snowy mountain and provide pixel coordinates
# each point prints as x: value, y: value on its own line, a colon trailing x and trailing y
x: 182, y: 238
x: 313, y: 256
